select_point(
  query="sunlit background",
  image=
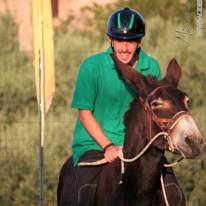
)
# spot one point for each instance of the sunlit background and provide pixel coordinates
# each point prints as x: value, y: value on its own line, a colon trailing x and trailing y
x: 173, y: 29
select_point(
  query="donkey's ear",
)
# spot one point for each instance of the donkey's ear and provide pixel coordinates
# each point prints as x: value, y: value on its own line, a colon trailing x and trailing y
x: 173, y: 73
x: 130, y: 75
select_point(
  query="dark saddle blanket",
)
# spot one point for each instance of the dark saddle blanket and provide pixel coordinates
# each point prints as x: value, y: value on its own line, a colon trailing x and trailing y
x: 77, y: 185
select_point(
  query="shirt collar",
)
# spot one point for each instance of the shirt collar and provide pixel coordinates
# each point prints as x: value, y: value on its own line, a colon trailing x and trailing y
x: 143, y: 62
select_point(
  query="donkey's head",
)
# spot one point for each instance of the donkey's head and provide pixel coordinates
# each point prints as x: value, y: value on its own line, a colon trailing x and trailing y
x: 167, y: 106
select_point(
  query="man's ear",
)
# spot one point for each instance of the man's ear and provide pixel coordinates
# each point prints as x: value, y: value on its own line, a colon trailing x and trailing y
x: 173, y: 73
x: 111, y: 41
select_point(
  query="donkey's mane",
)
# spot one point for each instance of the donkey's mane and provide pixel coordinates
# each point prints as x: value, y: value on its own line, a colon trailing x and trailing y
x: 135, y: 118
x: 154, y: 82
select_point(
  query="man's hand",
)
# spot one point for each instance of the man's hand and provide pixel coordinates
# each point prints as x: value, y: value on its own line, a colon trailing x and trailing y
x: 111, y: 153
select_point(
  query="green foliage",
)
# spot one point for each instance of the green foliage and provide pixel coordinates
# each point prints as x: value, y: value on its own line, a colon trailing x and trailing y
x: 19, y: 140
x: 164, y: 8
x: 175, y: 11
x: 8, y: 36
x: 162, y: 39
x: 15, y: 67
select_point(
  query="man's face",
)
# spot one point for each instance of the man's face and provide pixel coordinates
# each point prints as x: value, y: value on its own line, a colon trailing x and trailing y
x: 124, y: 50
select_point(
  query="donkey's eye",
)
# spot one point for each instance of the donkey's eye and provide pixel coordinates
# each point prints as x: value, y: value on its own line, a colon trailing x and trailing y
x: 155, y: 103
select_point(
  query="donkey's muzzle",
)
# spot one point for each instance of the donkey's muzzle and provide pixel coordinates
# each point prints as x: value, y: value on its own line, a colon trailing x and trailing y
x: 197, y: 147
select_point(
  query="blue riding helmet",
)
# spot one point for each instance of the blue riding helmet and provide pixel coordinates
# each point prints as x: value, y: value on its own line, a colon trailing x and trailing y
x: 126, y: 24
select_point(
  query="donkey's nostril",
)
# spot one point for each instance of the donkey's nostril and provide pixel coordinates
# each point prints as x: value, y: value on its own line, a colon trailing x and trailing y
x: 193, y: 146
x: 188, y: 141
x: 202, y: 142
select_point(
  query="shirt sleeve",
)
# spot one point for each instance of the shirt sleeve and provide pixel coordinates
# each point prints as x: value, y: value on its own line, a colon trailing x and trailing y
x: 86, y: 86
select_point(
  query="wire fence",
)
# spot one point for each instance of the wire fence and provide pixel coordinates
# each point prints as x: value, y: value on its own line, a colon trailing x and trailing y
x: 16, y: 151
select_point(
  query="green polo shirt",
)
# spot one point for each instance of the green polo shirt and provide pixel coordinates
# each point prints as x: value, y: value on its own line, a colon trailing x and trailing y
x: 100, y: 89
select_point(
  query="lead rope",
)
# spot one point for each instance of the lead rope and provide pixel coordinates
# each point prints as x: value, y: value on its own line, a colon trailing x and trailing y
x: 123, y: 160
x: 163, y: 190
x: 165, y: 134
x: 104, y: 161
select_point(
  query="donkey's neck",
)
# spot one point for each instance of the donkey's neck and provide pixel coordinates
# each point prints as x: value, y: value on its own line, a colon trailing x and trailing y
x: 137, y: 131
x: 143, y: 174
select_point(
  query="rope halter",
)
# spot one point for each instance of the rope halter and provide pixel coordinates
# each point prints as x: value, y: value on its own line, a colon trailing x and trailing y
x: 165, y: 124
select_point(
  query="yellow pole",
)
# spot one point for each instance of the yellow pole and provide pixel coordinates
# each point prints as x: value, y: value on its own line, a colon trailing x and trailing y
x: 44, y: 72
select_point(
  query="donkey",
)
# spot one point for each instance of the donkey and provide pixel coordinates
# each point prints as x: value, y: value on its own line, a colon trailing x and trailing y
x: 158, y: 106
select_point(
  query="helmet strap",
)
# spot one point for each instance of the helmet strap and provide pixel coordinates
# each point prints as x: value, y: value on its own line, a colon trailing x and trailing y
x: 112, y: 46
x: 135, y: 57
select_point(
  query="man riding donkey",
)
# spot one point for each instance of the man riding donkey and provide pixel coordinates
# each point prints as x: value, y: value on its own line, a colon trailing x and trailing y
x: 102, y: 99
